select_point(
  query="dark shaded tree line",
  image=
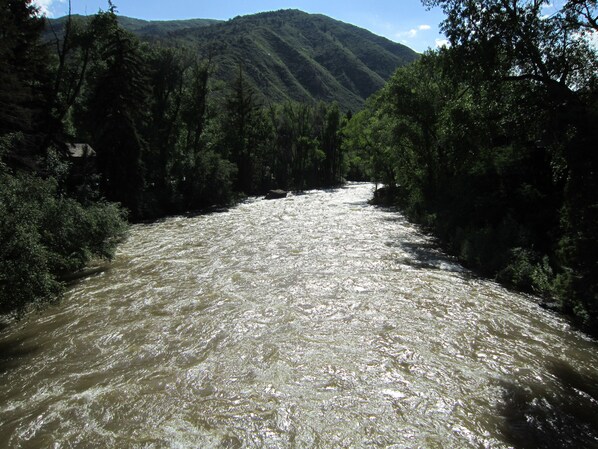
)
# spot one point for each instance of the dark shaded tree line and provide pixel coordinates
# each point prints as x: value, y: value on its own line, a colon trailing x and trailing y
x: 167, y: 139
x: 45, y: 232
x: 491, y: 143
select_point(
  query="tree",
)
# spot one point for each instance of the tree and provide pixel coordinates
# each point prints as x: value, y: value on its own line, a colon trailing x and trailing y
x: 243, y: 127
x: 494, y: 140
x: 167, y: 69
x: 582, y: 14
x: 23, y: 77
x: 298, y: 128
x: 196, y: 102
x: 330, y: 141
x: 508, y: 40
x: 115, y: 111
x: 72, y: 58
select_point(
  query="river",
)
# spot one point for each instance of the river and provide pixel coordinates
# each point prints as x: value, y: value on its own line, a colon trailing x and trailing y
x: 312, y: 321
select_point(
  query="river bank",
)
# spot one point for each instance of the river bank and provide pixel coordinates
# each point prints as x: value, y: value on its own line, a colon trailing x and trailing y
x: 452, y: 241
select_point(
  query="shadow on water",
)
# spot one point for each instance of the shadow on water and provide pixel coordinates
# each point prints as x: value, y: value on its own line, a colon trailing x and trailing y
x: 426, y: 255
x: 564, y: 415
x: 207, y: 211
x: 73, y: 278
x: 322, y: 189
x: 424, y: 252
x: 13, y: 350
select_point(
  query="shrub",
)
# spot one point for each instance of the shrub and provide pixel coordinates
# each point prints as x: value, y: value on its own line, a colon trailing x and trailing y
x: 45, y: 236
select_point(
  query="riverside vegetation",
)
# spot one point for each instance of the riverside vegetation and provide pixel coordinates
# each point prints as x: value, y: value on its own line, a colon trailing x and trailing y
x: 489, y: 143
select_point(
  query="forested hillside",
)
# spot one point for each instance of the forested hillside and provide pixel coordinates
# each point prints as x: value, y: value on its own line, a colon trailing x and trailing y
x: 155, y: 29
x: 293, y: 55
x: 285, y: 55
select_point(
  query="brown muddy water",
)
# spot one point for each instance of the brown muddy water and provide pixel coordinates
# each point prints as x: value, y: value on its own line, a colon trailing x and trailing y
x: 311, y: 321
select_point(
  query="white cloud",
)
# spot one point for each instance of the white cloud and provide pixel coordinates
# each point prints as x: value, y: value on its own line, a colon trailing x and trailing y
x: 407, y: 34
x: 46, y: 6
x: 412, y: 33
x: 442, y: 43
x: 43, y: 6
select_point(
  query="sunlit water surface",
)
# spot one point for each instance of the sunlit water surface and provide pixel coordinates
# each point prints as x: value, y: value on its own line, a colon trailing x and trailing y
x: 311, y: 321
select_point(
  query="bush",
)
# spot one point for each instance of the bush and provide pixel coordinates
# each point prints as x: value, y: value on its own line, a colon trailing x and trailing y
x: 45, y: 236
x: 529, y: 272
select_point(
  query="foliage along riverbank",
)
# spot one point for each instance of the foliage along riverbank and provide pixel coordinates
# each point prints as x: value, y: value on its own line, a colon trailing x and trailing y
x: 491, y: 144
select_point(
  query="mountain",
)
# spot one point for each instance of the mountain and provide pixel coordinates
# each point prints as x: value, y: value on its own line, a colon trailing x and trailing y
x: 142, y: 28
x: 145, y: 28
x: 288, y: 54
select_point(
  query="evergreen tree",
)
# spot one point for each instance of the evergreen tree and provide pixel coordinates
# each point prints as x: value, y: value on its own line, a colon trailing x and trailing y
x: 243, y: 115
x: 331, y: 145
x: 115, y: 112
x: 167, y: 70
x: 23, y: 77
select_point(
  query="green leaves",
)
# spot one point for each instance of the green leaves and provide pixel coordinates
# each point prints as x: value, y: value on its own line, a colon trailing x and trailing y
x: 523, y: 40
x: 45, y: 236
x: 488, y: 143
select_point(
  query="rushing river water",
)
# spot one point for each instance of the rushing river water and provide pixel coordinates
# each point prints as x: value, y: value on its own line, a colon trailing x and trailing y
x: 312, y: 321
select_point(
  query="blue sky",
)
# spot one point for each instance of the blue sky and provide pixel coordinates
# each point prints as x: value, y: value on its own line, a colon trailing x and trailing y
x: 404, y: 21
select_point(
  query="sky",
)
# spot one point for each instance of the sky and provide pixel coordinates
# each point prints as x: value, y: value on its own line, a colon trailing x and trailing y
x: 403, y: 21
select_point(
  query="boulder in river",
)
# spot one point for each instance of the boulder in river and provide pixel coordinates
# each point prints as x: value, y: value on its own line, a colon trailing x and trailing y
x: 382, y: 196
x: 276, y: 194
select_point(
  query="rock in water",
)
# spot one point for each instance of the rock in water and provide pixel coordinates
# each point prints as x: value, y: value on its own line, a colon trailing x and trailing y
x: 276, y: 194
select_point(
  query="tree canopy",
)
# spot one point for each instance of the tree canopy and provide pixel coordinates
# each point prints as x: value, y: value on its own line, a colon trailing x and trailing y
x: 491, y: 144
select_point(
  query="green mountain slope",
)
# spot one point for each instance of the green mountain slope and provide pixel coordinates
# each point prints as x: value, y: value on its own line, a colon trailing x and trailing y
x: 145, y: 28
x: 142, y: 28
x: 288, y: 54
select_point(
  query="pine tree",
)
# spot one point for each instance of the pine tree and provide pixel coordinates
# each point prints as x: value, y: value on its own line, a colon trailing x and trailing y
x: 115, y: 112
x: 23, y: 76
